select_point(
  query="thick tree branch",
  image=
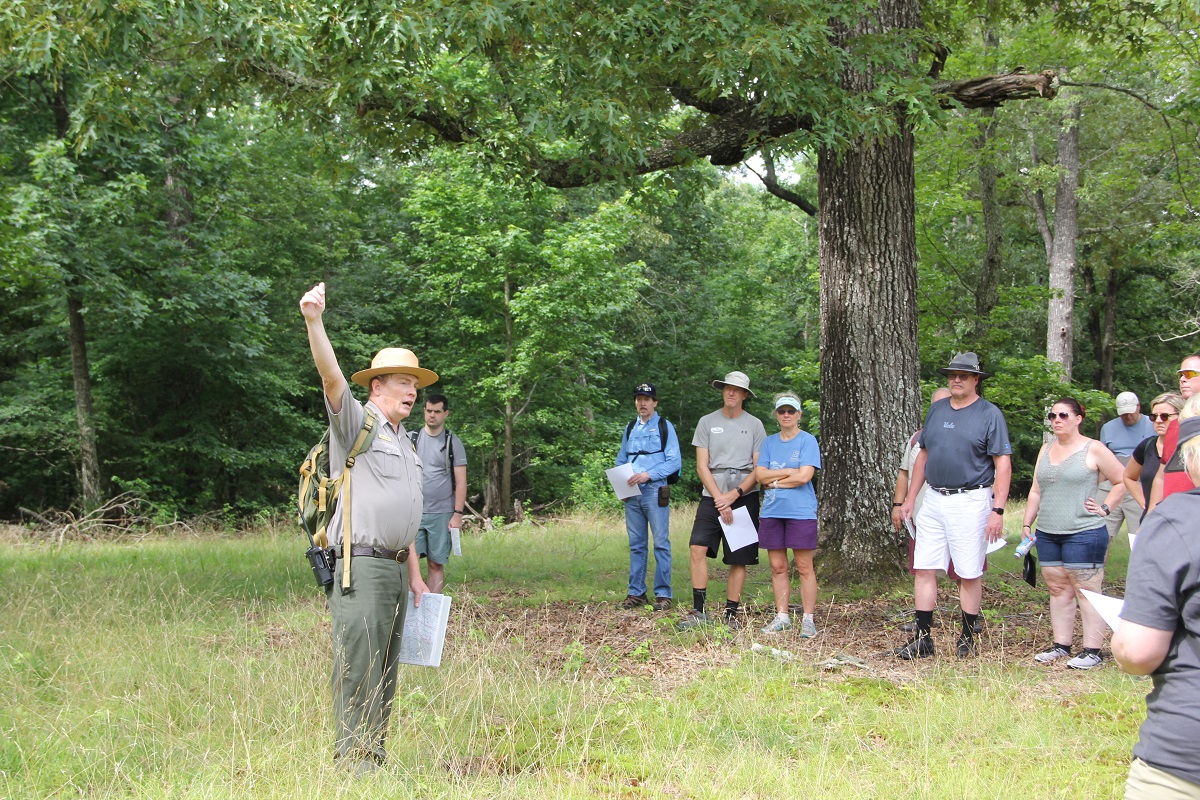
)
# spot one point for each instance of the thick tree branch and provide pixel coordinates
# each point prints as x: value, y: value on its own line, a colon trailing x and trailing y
x: 991, y: 91
x: 773, y: 186
x: 734, y: 130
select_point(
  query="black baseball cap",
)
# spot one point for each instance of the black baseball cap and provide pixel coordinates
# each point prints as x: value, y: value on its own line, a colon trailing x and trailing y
x: 646, y: 390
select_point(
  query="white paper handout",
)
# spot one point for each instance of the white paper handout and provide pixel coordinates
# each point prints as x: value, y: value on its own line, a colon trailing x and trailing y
x: 741, y: 532
x: 1107, y: 607
x: 425, y: 630
x: 908, y: 526
x: 1132, y: 541
x: 456, y: 541
x: 999, y: 544
x: 619, y: 478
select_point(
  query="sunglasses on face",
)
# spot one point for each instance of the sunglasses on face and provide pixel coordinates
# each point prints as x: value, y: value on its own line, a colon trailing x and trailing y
x: 1063, y: 415
x: 782, y: 411
x: 1161, y: 417
x: 1189, y: 373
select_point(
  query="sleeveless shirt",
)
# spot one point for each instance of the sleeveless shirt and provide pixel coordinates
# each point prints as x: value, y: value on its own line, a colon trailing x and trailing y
x: 1065, y: 487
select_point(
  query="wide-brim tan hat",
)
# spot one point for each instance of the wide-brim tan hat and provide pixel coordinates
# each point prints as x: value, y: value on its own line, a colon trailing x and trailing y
x: 395, y: 360
x: 738, y: 379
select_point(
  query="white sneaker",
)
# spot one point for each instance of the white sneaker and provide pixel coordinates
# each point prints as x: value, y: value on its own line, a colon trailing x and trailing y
x: 1053, y: 654
x: 1085, y: 661
x: 782, y: 622
x: 808, y: 629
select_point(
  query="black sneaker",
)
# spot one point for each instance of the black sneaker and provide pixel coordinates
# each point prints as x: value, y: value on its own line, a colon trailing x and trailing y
x: 663, y: 603
x: 920, y: 647
x: 967, y: 646
x: 977, y: 625
x: 732, y: 621
x: 634, y: 601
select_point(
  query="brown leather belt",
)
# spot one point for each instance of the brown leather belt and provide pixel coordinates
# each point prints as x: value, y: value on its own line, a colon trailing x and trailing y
x: 379, y: 552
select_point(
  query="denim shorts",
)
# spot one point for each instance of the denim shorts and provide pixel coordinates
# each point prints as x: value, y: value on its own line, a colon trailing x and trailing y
x: 1083, y: 550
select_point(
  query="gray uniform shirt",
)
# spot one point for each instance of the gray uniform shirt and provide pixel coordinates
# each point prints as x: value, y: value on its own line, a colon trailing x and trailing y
x: 435, y: 469
x: 960, y: 444
x: 385, y: 483
x: 731, y: 445
x: 1162, y: 591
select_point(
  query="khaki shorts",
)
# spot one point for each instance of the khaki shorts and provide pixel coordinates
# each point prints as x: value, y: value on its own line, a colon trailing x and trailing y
x: 1151, y: 783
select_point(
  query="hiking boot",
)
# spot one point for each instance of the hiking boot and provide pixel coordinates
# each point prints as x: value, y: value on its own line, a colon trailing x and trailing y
x: 663, y: 603
x: 977, y: 625
x: 967, y: 646
x: 1053, y: 654
x: 1085, y: 660
x: 920, y: 647
x: 808, y: 629
x: 910, y: 626
x: 782, y: 622
x: 633, y: 601
x: 694, y: 620
x: 732, y: 621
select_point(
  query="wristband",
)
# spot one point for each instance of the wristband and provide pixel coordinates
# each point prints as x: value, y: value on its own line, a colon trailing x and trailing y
x: 999, y: 511
x: 897, y: 505
x: 458, y: 511
x: 738, y: 489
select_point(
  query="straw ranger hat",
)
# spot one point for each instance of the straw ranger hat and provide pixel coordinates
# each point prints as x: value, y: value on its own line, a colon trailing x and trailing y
x: 396, y: 360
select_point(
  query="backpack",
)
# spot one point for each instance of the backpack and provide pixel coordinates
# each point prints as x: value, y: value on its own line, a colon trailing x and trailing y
x: 414, y: 435
x: 319, y: 494
x: 662, y: 445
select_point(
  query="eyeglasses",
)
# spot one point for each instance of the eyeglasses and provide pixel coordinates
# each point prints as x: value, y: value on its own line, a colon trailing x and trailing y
x: 1161, y: 417
x: 1063, y: 415
x: 786, y: 411
x: 1189, y: 373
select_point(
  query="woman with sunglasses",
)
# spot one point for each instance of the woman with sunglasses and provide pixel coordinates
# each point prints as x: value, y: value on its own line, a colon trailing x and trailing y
x: 1072, y: 539
x: 1143, y: 465
x: 788, y: 518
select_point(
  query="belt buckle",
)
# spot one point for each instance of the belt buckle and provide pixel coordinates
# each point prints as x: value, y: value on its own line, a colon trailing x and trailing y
x: 402, y: 555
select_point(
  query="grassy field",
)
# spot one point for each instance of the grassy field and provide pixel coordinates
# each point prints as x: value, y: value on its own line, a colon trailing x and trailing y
x: 197, y: 667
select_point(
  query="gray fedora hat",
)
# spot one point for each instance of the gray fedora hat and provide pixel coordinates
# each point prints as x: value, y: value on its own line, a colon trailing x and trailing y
x: 738, y: 379
x: 964, y: 362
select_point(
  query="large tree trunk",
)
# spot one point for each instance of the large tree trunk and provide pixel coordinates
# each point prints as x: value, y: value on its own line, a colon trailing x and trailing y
x: 870, y: 393
x: 1060, y: 323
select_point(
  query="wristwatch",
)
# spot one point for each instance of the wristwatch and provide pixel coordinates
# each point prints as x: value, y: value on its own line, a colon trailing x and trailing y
x: 458, y: 511
x: 738, y: 489
x: 996, y: 510
x: 1106, y: 508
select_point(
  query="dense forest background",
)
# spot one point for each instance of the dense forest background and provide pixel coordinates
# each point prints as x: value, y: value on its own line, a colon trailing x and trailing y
x: 161, y: 212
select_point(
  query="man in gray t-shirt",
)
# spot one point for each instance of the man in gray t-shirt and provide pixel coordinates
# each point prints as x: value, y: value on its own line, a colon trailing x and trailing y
x: 1159, y: 636
x: 444, y: 470
x: 1122, y: 435
x: 727, y: 444
x: 965, y: 459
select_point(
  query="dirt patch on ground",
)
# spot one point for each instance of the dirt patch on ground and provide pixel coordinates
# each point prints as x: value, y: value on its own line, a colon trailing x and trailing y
x: 600, y: 640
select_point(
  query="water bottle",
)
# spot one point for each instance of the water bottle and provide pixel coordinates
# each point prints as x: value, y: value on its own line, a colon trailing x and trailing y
x: 1025, y: 546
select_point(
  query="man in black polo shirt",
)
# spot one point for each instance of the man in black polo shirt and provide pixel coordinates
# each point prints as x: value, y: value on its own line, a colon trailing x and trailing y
x: 965, y: 459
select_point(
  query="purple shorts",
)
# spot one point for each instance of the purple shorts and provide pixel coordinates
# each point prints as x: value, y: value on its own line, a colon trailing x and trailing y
x: 782, y: 534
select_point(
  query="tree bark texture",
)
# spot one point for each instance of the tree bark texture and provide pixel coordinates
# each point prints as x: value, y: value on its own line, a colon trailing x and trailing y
x: 870, y: 391
x: 1060, y: 327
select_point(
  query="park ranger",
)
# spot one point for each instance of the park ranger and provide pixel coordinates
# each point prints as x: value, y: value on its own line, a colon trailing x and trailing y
x: 368, y: 618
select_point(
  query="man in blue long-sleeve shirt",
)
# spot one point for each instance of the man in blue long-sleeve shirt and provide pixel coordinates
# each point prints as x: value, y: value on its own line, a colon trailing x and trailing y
x: 654, y: 457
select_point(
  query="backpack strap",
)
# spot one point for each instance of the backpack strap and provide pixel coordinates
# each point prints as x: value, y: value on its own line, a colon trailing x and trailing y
x: 363, y: 441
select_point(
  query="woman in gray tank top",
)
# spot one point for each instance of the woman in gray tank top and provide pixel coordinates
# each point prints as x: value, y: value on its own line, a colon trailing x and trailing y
x: 1072, y: 539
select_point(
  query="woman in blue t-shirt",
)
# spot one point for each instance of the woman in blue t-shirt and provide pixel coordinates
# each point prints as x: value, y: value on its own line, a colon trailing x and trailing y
x: 788, y: 518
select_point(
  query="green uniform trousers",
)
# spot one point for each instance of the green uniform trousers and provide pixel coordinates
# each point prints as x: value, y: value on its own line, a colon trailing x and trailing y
x: 367, y: 625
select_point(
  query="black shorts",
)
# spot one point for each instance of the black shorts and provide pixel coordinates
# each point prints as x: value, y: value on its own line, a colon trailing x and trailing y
x: 706, y: 530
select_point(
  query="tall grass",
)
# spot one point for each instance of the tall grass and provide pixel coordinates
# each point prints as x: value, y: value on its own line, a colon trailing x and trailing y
x: 199, y: 668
